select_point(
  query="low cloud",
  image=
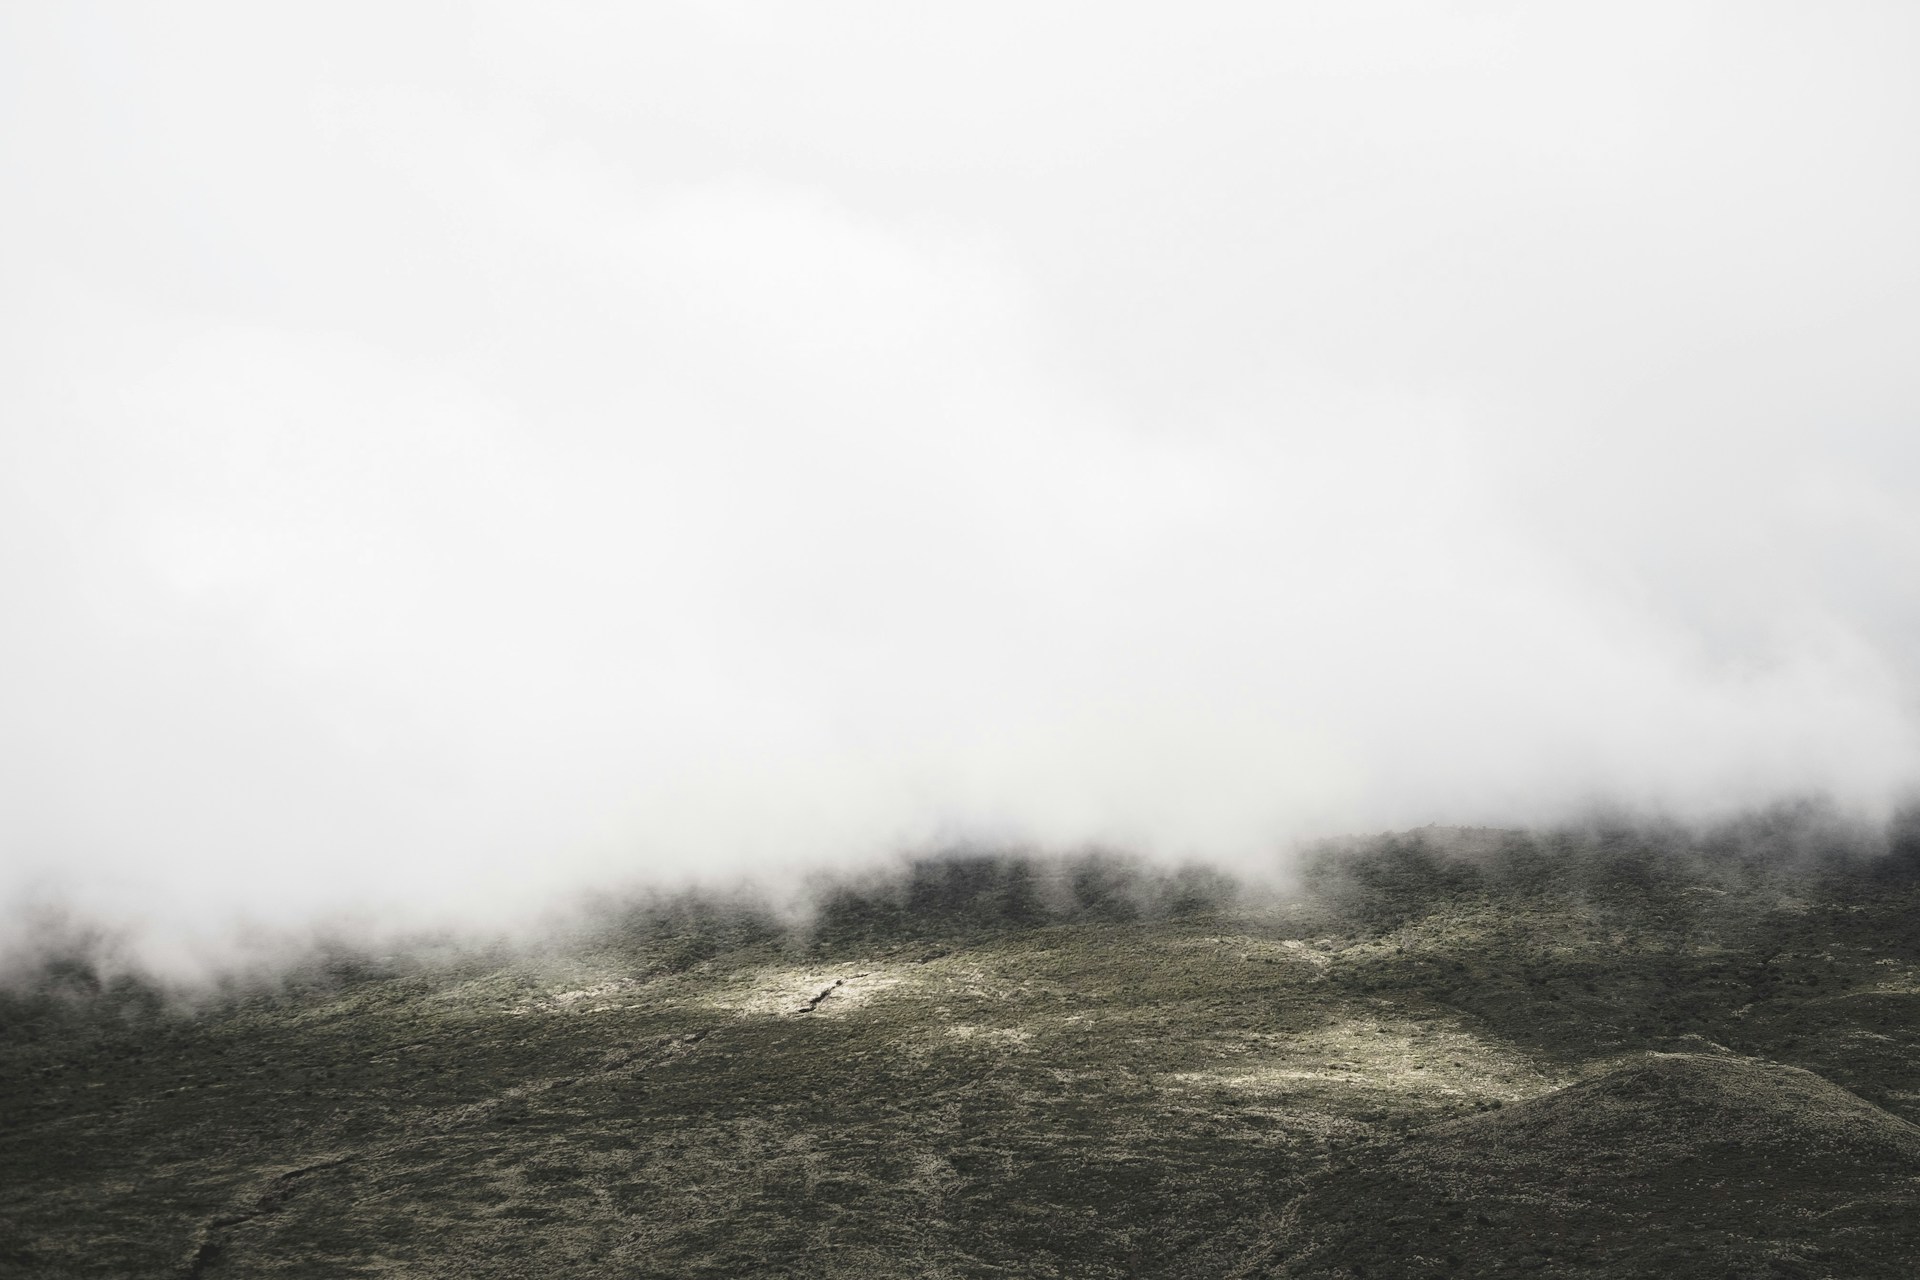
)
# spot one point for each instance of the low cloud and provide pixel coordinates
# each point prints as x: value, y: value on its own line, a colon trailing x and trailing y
x: 440, y: 490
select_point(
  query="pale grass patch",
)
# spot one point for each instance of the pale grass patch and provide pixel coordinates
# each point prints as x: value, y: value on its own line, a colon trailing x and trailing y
x: 601, y: 997
x: 1317, y: 953
x: 777, y: 992
x: 1003, y: 1037
x: 1394, y: 1058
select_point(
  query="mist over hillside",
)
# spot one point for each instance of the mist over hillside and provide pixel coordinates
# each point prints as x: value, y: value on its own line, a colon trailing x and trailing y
x: 1005, y: 640
x: 455, y: 459
x: 1607, y: 862
x: 1000, y: 640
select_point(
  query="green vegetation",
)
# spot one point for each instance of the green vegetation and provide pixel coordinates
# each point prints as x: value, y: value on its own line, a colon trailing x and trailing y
x: 1610, y: 1052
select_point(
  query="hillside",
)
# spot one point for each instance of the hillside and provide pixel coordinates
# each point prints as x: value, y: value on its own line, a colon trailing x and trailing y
x: 1577, y: 1054
x: 1670, y: 1164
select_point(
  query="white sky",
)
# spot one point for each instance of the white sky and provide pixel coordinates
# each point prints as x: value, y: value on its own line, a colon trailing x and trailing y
x: 451, y: 454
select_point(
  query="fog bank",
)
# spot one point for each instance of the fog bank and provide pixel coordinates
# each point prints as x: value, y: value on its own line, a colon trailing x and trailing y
x: 452, y: 455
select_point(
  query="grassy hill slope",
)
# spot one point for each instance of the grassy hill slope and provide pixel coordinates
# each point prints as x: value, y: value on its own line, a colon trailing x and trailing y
x: 1428, y: 1061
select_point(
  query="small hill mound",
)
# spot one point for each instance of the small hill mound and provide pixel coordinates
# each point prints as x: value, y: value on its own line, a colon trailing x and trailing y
x: 1677, y: 1165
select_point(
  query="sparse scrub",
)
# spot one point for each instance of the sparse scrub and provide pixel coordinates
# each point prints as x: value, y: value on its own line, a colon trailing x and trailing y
x: 997, y: 1064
